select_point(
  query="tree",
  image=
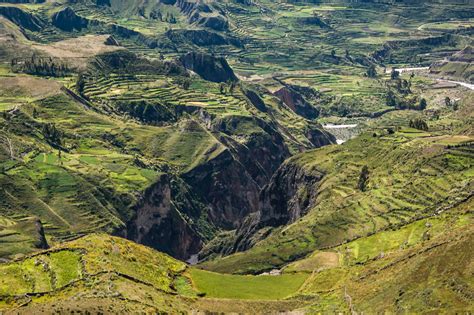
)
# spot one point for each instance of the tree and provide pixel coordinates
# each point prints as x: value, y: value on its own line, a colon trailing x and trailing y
x: 391, y: 99
x: 52, y: 135
x: 231, y: 87
x: 447, y: 101
x: 222, y: 87
x: 363, y: 178
x: 423, y: 104
x: 186, y: 83
x: 419, y: 124
x: 395, y: 74
x: 371, y: 71
x: 80, y: 84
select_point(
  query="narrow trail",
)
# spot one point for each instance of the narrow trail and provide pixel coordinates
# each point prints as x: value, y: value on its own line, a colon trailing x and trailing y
x: 464, y: 84
x: 54, y: 212
x: 414, y: 69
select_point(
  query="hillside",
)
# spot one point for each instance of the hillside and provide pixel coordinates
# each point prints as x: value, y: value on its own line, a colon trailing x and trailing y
x: 107, y: 274
x: 236, y: 156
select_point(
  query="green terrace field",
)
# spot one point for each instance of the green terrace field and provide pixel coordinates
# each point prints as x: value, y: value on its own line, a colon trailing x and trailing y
x: 118, y: 93
x: 96, y: 266
x: 137, y: 88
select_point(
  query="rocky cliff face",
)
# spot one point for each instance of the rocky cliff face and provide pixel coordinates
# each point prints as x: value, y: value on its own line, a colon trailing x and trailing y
x: 67, y: 20
x: 160, y: 224
x: 231, y: 182
x: 261, y: 150
x: 319, y: 137
x: 287, y: 197
x: 215, y: 69
x: 227, y: 187
x: 297, y: 102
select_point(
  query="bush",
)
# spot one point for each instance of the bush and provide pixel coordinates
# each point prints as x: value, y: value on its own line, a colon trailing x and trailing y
x: 419, y: 124
x: 363, y: 178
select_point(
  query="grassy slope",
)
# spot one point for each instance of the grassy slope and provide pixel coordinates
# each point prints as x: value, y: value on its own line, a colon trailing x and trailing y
x: 96, y: 266
x: 127, y: 277
x: 50, y: 182
x: 263, y: 287
x: 410, y: 273
x: 18, y: 236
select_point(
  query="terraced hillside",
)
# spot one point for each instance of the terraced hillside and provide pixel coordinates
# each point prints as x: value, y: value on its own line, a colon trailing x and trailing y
x: 329, y: 44
x: 203, y: 130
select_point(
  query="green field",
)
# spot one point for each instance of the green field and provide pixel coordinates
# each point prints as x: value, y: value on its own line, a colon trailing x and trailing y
x: 264, y: 287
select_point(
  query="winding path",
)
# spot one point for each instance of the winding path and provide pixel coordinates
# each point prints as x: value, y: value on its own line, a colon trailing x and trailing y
x: 465, y: 84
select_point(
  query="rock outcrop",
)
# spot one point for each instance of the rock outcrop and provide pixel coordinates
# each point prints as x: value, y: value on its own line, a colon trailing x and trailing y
x: 286, y: 198
x: 255, y: 100
x: 288, y: 195
x: 320, y: 137
x: 67, y: 20
x: 211, y: 68
x: 21, y: 18
x: 160, y: 224
x: 202, y: 13
x: 295, y: 100
x: 111, y: 41
x: 41, y: 242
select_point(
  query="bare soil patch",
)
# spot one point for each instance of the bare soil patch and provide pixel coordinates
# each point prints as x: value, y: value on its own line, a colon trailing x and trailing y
x: 28, y: 86
x: 81, y: 47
